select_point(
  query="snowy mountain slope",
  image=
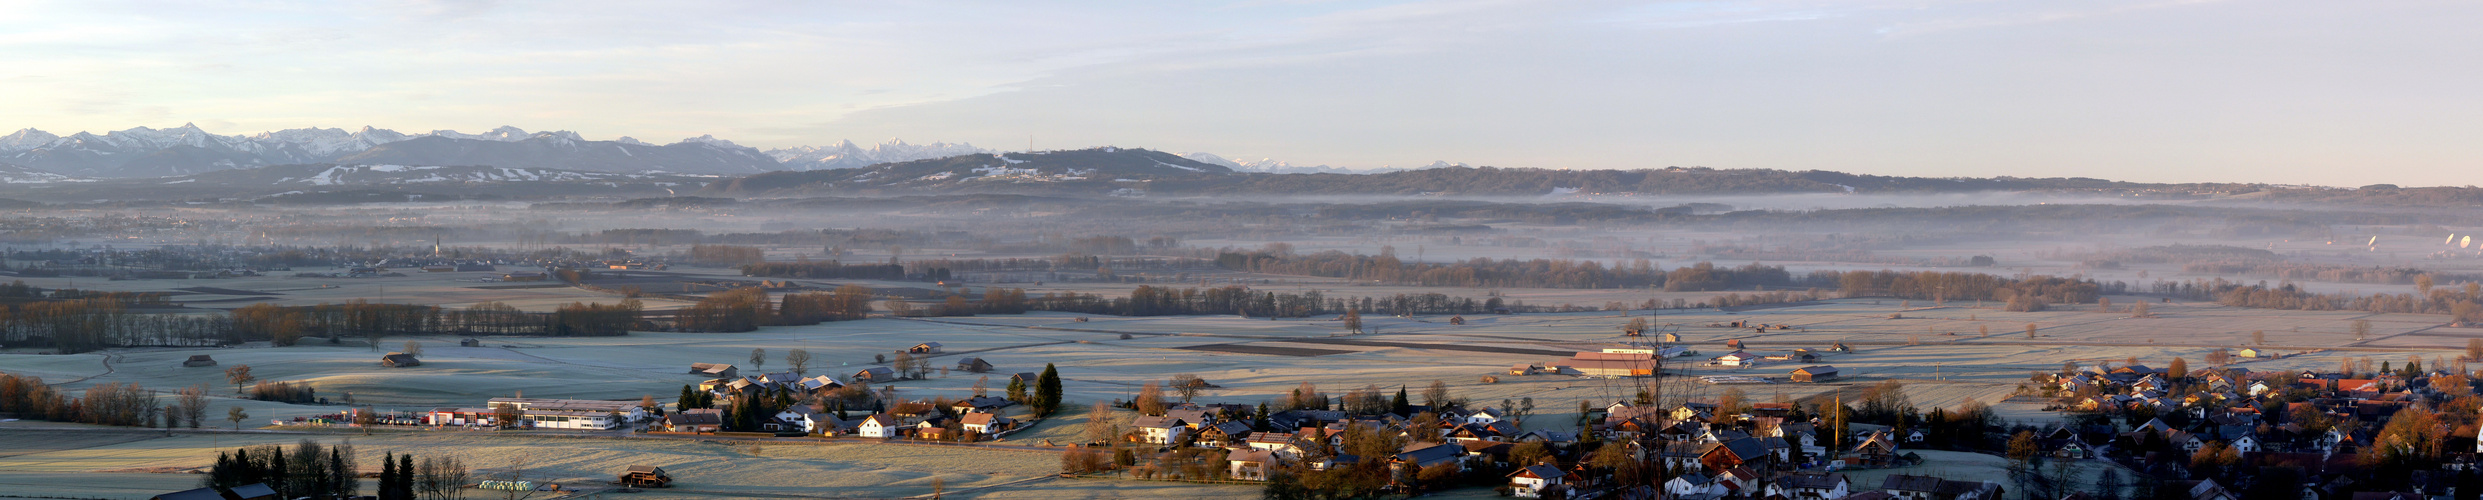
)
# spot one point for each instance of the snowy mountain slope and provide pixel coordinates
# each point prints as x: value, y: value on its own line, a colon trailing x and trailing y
x: 567, y: 151
x: 403, y: 175
x: 848, y: 155
x: 19, y: 174
x: 1092, y: 171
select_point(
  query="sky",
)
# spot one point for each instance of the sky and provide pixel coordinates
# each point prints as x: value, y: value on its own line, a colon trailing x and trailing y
x: 2311, y: 92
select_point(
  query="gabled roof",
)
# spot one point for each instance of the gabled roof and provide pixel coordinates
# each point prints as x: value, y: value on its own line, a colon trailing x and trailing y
x: 983, y: 418
x: 882, y: 419
x: 1157, y: 423
x: 1540, y: 471
x: 1432, y: 455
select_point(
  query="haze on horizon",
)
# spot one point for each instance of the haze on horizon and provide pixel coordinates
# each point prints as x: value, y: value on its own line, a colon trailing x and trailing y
x: 2333, y: 93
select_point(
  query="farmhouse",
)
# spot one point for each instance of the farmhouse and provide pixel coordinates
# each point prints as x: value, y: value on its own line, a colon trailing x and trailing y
x: 1821, y: 373
x: 925, y: 348
x: 399, y: 360
x: 987, y: 423
x: 696, y: 420
x: 1160, y: 430
x: 198, y: 360
x: 1738, y: 358
x: 717, y: 370
x: 645, y: 476
x: 875, y: 374
x: 973, y: 365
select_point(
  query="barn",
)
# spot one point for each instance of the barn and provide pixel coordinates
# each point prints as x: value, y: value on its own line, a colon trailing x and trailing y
x: 1821, y: 373
x: 399, y: 360
x: 198, y: 360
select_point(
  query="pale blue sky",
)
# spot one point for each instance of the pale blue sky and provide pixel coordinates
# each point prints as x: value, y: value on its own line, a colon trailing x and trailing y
x: 2326, y: 92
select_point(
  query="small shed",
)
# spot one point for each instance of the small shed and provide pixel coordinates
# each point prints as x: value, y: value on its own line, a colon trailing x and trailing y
x: 875, y: 374
x: 973, y: 365
x: 645, y: 476
x: 925, y: 348
x: 469, y: 342
x: 198, y: 360
x: 399, y: 360
x: 1821, y: 373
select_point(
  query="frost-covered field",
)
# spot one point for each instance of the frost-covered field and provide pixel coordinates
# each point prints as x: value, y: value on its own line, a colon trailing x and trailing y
x: 1918, y: 349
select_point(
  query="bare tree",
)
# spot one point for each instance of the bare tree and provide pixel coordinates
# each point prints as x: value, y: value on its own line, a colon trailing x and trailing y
x: 1100, y: 426
x: 2030, y: 329
x: 982, y: 385
x: 2362, y: 329
x: 1188, y: 386
x: 236, y: 415
x: 1353, y: 321
x: 239, y: 374
x: 413, y: 347
x: 799, y: 360
x: 2258, y: 337
x: 2139, y: 310
x: 1436, y: 395
x: 192, y: 404
x: 758, y: 359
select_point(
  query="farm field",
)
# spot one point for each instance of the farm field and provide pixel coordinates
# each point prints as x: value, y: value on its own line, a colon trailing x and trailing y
x: 1248, y: 359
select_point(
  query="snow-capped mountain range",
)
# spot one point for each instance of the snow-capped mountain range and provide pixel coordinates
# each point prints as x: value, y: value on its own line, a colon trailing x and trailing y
x: 144, y: 152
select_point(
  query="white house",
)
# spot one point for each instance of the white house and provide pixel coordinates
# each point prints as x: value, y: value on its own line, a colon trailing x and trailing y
x: 1529, y: 482
x: 1689, y: 486
x: 1249, y: 464
x: 987, y: 423
x: 1160, y: 430
x: 1811, y: 486
x: 878, y: 425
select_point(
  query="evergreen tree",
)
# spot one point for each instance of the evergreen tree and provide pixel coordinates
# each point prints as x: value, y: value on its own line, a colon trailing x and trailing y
x: 405, y: 477
x: 1047, y: 391
x: 388, y: 476
x: 1400, y: 405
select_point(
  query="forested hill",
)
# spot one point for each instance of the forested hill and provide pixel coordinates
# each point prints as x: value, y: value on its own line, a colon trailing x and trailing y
x: 1535, y: 181
x: 1138, y: 171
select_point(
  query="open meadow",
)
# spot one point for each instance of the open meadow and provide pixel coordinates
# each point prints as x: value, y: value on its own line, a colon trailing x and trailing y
x: 1938, y: 352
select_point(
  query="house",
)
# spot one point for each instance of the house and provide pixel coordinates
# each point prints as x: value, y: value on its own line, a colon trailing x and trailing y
x: 825, y: 424
x: 198, y: 360
x: 1280, y: 443
x: 875, y: 374
x: 1430, y: 455
x: 1810, y: 486
x: 717, y: 370
x: 1821, y: 373
x: 252, y: 491
x: 1879, y: 449
x: 645, y: 476
x: 1249, y: 464
x: 469, y: 342
x: 399, y: 360
x: 1160, y: 430
x: 1693, y: 486
x: 925, y: 348
x: 1024, y: 378
x: 1525, y: 369
x: 2249, y: 352
x: 973, y: 365
x: 1529, y: 482
x: 987, y: 423
x: 1223, y: 434
x: 1738, y: 358
x: 1911, y: 487
x: 1734, y: 453
x: 980, y: 404
x: 879, y: 425
x: 694, y: 420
